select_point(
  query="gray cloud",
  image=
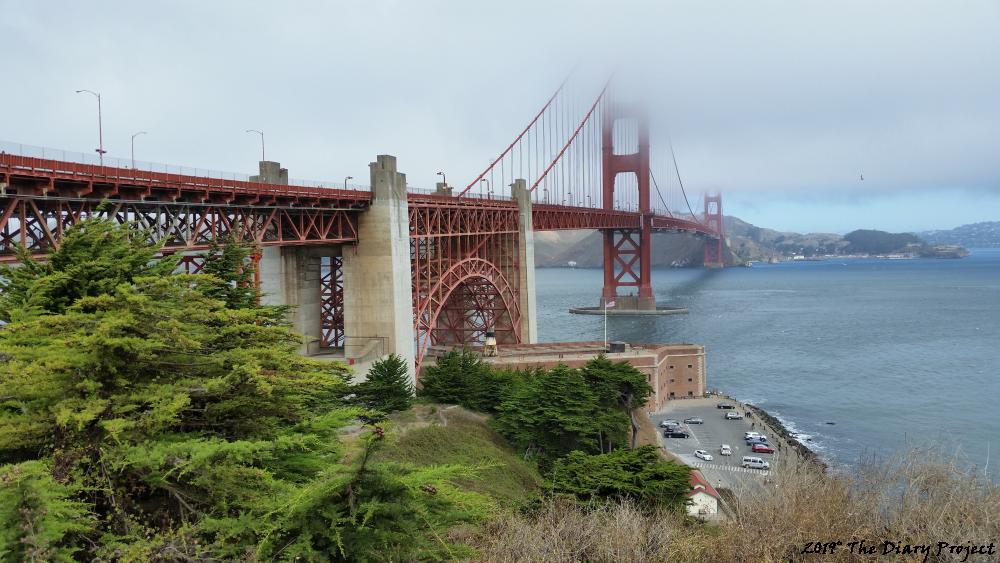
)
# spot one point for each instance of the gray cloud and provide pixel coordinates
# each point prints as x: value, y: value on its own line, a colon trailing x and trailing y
x: 768, y: 98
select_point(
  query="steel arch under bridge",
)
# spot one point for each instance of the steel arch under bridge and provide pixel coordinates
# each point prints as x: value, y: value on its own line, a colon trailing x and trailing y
x: 466, y: 272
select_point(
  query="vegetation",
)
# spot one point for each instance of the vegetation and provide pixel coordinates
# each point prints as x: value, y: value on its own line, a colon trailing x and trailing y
x: 387, y: 387
x: 910, y: 500
x: 879, y: 242
x: 145, y: 415
x: 640, y: 475
x: 439, y: 435
x: 461, y: 377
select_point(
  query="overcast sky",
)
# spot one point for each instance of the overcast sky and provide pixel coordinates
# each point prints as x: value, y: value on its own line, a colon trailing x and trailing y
x: 779, y: 105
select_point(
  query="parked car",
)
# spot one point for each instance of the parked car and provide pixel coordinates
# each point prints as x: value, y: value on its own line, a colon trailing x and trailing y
x: 725, y: 450
x: 756, y: 440
x: 724, y: 406
x: 752, y: 462
x: 702, y: 454
x: 668, y: 422
x: 674, y: 434
x: 761, y: 449
x: 733, y: 416
x: 694, y: 420
x: 751, y: 434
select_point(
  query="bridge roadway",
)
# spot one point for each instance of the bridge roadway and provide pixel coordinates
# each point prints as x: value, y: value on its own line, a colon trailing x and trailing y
x: 44, y: 196
x: 415, y: 268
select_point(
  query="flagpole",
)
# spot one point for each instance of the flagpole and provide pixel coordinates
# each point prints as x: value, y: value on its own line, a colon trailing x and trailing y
x: 605, y: 324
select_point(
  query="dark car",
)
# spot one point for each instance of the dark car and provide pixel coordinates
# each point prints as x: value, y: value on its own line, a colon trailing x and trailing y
x: 694, y: 420
x: 762, y: 449
x: 724, y: 406
x: 674, y: 434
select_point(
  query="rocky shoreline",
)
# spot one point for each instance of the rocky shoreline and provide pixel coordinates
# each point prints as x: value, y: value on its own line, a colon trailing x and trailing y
x: 774, y: 423
x: 779, y: 428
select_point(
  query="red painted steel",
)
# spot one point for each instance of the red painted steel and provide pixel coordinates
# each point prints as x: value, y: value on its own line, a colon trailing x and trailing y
x: 332, y: 301
x: 714, y: 257
x: 627, y: 260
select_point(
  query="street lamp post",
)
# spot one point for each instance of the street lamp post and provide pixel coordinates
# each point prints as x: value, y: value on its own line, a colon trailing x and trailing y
x: 133, y: 146
x: 588, y: 201
x: 100, y: 125
x: 261, y: 133
x: 444, y: 179
x: 346, y: 179
x: 570, y: 195
x: 546, y: 192
x: 487, y: 182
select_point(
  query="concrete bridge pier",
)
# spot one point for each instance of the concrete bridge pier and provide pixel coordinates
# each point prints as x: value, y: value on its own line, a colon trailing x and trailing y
x: 526, y: 262
x: 377, y: 278
x: 292, y: 276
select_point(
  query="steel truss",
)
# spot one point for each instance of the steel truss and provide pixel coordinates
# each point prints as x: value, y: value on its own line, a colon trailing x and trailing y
x: 332, y: 301
x: 464, y: 263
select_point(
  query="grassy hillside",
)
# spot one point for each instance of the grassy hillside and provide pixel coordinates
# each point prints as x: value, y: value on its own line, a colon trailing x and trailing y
x: 439, y: 434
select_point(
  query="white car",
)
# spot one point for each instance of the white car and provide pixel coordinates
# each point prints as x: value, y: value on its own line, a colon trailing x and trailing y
x: 733, y: 415
x: 669, y: 422
x: 702, y: 454
x: 725, y: 450
x: 748, y: 435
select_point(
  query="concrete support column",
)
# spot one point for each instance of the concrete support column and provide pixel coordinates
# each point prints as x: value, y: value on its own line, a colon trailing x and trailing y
x: 377, y: 277
x: 526, y: 262
x: 291, y: 276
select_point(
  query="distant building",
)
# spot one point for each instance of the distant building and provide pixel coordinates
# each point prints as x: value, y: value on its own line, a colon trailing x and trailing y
x: 674, y: 371
x: 704, y: 497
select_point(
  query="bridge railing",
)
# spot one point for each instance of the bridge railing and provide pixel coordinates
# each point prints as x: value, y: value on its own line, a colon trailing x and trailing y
x: 62, y: 155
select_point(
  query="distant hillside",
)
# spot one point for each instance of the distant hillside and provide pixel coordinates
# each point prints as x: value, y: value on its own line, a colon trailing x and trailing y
x: 866, y: 241
x: 976, y: 235
x: 744, y: 242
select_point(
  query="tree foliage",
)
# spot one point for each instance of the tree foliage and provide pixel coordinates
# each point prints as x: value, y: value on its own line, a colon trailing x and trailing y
x: 639, y: 475
x: 461, y: 377
x: 387, y: 388
x: 145, y: 415
x: 93, y: 258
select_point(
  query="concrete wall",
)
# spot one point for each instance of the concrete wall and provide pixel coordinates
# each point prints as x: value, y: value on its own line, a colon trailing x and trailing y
x: 378, y: 294
x: 526, y: 263
x: 291, y: 276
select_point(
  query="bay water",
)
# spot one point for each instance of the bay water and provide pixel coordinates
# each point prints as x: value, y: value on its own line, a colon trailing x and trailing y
x: 859, y: 357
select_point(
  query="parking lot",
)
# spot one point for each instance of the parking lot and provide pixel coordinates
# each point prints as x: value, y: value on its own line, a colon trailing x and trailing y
x: 721, y: 471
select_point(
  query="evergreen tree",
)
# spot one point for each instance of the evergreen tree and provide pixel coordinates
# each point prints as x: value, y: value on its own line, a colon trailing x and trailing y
x: 388, y: 387
x: 551, y: 414
x: 144, y: 418
x: 93, y: 258
x: 640, y: 475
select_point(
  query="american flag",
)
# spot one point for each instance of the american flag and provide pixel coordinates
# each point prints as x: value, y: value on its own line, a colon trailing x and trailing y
x: 609, y: 304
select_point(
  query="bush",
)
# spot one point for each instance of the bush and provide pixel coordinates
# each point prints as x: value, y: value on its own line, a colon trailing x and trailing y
x: 640, y: 475
x: 387, y: 388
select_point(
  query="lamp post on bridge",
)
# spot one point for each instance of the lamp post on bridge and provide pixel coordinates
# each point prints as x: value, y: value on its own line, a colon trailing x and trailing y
x: 261, y: 133
x: 100, y: 125
x: 346, y: 178
x: 488, y: 189
x: 134, y: 135
x: 570, y: 196
x: 444, y: 178
x: 588, y: 201
x: 546, y: 191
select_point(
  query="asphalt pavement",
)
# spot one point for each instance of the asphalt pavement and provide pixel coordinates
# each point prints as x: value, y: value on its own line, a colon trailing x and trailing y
x: 721, y: 470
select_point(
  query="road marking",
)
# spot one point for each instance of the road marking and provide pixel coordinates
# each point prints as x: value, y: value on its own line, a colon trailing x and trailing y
x: 761, y: 472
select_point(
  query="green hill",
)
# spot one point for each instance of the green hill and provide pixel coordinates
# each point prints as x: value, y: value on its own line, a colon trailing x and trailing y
x: 442, y: 434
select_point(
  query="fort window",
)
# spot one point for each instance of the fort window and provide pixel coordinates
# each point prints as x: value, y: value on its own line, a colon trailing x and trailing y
x: 690, y: 380
x: 670, y: 367
x: 690, y: 394
x: 671, y: 393
x: 690, y: 366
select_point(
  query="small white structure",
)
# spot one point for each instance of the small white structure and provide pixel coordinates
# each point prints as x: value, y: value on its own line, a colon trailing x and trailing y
x: 704, y: 498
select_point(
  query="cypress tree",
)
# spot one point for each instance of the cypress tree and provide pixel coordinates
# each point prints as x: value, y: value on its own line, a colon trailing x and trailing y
x: 387, y: 388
